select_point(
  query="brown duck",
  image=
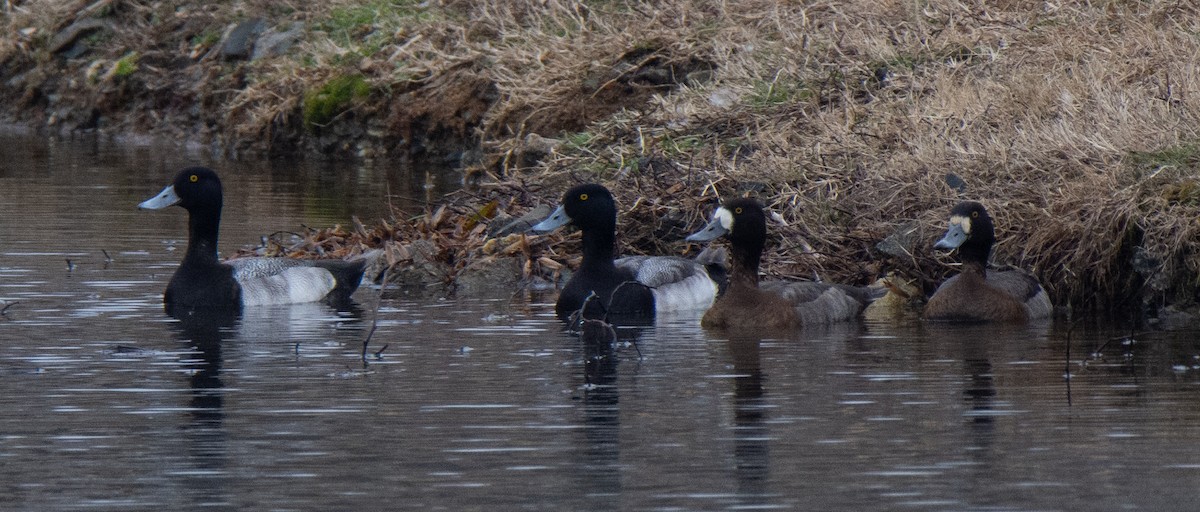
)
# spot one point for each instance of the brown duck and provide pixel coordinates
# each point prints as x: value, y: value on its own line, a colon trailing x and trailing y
x: 749, y: 304
x: 977, y: 294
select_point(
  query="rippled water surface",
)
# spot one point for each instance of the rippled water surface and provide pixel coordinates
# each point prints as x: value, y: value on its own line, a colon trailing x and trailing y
x: 483, y: 403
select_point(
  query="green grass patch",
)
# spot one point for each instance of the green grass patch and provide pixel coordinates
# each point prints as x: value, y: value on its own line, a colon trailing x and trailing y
x: 207, y: 38
x: 366, y: 28
x: 778, y: 92
x: 326, y: 102
x: 125, y: 66
x: 1185, y: 155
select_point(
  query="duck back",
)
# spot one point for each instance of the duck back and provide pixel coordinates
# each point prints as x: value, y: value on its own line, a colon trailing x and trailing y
x: 1009, y: 296
x: 677, y: 284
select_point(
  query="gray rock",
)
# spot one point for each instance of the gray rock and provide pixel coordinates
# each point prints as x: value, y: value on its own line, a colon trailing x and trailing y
x: 277, y: 41
x: 239, y: 43
x: 901, y: 243
x: 503, y: 227
x: 490, y: 277
x: 65, y: 39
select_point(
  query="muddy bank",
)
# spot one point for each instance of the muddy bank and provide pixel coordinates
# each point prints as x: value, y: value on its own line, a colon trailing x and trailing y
x: 358, y: 79
x: 1076, y: 125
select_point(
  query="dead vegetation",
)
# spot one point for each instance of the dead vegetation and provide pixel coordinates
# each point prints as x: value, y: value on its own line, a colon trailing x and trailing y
x: 1074, y: 123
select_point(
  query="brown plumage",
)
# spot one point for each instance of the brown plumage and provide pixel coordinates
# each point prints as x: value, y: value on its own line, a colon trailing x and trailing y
x: 747, y: 304
x: 976, y: 294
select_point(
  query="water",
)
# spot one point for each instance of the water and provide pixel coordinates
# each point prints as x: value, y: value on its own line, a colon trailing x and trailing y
x: 483, y: 403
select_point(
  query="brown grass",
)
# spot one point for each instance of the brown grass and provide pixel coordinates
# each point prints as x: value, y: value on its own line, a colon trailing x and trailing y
x: 1075, y: 123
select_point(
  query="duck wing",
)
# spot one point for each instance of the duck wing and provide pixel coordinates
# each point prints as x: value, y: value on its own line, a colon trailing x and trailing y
x: 291, y: 285
x: 289, y: 280
x: 1025, y: 287
x: 254, y: 268
x: 678, y: 284
x: 822, y: 303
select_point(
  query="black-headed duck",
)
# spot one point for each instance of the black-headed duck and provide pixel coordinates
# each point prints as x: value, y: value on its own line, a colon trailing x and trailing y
x: 977, y: 294
x: 644, y: 285
x: 203, y: 281
x: 751, y: 304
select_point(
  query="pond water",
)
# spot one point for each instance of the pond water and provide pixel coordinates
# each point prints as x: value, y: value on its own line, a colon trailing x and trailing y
x: 484, y: 403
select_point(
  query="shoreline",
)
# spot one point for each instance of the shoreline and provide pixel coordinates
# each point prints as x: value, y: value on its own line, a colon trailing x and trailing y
x: 1076, y: 126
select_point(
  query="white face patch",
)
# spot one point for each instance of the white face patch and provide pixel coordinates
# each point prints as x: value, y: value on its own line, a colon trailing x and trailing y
x: 963, y: 223
x: 725, y: 217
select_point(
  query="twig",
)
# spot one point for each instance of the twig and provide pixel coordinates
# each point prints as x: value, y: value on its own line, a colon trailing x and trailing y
x: 375, y: 319
x: 4, y: 310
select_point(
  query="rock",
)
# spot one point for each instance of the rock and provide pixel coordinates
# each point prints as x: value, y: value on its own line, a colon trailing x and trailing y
x: 423, y: 270
x: 901, y: 243
x: 65, y: 39
x: 955, y: 182
x: 239, y: 43
x: 489, y: 277
x: 503, y: 227
x: 277, y: 41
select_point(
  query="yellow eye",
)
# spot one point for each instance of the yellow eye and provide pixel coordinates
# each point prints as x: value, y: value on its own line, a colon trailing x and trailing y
x: 583, y: 197
x: 193, y: 178
x: 737, y: 210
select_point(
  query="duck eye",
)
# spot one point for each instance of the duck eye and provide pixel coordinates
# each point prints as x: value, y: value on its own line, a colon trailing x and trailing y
x: 583, y: 197
x: 737, y: 210
x: 974, y: 215
x: 193, y: 178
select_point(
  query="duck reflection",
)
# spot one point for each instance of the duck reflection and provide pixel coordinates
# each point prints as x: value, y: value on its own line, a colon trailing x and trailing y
x: 751, y: 449
x: 977, y: 347
x: 207, y: 481
x: 209, y: 475
x: 601, y: 475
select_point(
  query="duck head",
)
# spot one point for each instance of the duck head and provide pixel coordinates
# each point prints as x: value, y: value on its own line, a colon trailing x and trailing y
x: 970, y: 231
x: 590, y: 207
x: 742, y: 221
x: 194, y: 188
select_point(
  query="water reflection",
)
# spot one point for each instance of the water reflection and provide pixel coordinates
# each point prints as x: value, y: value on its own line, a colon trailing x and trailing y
x: 600, y: 475
x: 752, y: 438
x: 207, y: 479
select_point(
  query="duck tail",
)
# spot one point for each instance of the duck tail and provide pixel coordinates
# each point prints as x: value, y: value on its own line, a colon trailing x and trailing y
x: 348, y: 272
x: 713, y: 259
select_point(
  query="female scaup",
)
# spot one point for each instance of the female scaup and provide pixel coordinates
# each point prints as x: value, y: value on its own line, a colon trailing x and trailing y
x: 975, y: 294
x: 644, y: 285
x: 749, y: 304
x: 201, y: 281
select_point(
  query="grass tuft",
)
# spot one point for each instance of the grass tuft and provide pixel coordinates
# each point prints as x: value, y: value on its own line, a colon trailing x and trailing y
x: 331, y: 99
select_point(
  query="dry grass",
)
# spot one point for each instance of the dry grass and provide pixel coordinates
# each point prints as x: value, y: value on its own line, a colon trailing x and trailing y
x: 1075, y: 123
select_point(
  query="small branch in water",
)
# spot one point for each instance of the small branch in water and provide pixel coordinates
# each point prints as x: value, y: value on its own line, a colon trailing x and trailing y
x: 107, y: 258
x: 70, y: 266
x: 375, y: 320
x: 4, y: 310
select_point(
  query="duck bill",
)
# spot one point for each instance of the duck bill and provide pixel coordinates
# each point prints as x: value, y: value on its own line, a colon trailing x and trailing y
x: 556, y: 220
x: 712, y: 231
x: 954, y: 237
x: 166, y: 198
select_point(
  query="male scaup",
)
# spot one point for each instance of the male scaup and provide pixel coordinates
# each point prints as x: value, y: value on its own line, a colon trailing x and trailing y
x: 975, y: 294
x: 749, y: 304
x: 203, y: 282
x: 644, y: 285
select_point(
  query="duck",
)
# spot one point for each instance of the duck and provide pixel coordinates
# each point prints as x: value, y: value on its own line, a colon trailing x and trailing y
x: 203, y: 282
x: 751, y: 304
x: 632, y: 287
x: 977, y: 294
